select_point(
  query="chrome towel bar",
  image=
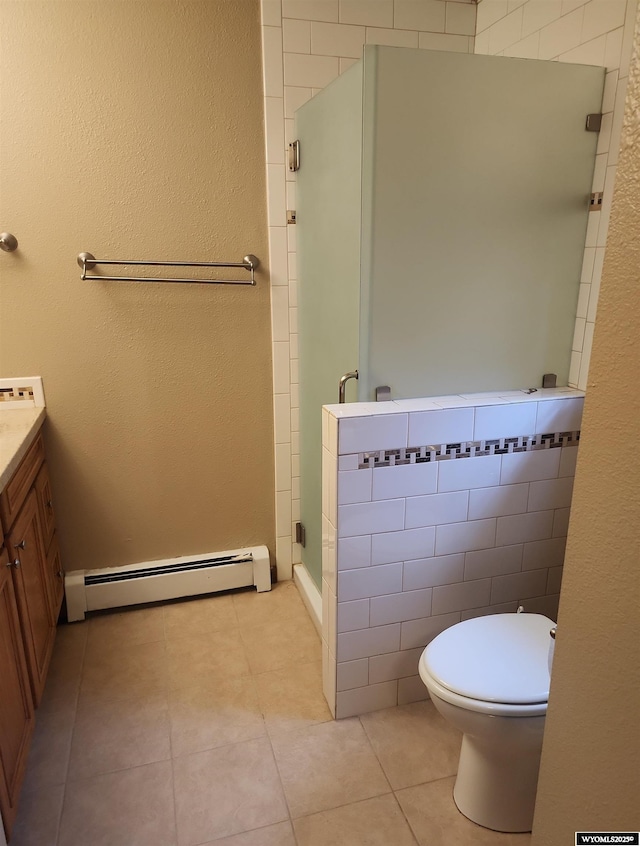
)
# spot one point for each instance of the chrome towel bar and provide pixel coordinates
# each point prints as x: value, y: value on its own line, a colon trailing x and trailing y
x: 86, y: 261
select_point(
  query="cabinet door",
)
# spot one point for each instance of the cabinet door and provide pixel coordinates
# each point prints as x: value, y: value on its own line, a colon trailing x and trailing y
x: 26, y: 548
x: 55, y: 576
x: 16, y: 711
x: 45, y: 503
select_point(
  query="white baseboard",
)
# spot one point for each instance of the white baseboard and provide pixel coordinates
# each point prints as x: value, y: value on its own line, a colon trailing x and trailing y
x: 310, y: 594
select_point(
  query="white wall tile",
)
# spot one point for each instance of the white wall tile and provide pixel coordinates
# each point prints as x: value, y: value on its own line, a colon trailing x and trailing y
x: 405, y: 480
x: 411, y: 689
x: 272, y: 61
x: 294, y: 97
x: 539, y: 14
x: 547, y: 605
x: 337, y: 40
x: 586, y: 356
x: 280, y: 313
x: 402, y: 546
x: 309, y: 71
x: 329, y: 616
x: 350, y: 462
x: 594, y: 291
x: 544, y: 553
x: 353, y: 674
x: 614, y: 54
x: 460, y: 18
x: 518, y: 586
x: 550, y: 493
x: 561, y: 522
x: 568, y: 460
x: 398, y: 607
x: 440, y: 427
x: 522, y: 528
x: 561, y: 35
x: 282, y: 418
x: 395, y: 665
x: 329, y: 557
x: 559, y: 415
x: 274, y: 129
x: 485, y: 563
x: 459, y: 597
x: 296, y: 36
x: 368, y: 642
x: 578, y: 334
x: 283, y: 513
x: 276, y: 204
x: 366, y: 13
x: 392, y: 37
x: 271, y: 12
x: 366, y: 434
x: 329, y: 487
x: 354, y: 486
x: 418, y: 633
x: 353, y: 615
x: 490, y: 11
x: 426, y: 16
x: 312, y: 10
x: 463, y: 537
x: 278, y: 256
x: 530, y: 466
x: 283, y: 467
x: 602, y: 16
x: 362, y: 700
x: 435, y: 509
x: 329, y: 667
x: 354, y: 552
x: 370, y: 517
x: 505, y: 421
x: 591, y: 53
x: 506, y: 31
x: 369, y: 581
x: 554, y: 580
x: 429, y: 572
x: 526, y: 48
x: 464, y: 473
x: 498, y: 502
x: 443, y: 41
x: 345, y: 63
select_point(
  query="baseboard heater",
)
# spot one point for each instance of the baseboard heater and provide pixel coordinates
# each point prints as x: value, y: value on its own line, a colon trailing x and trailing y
x: 154, y: 581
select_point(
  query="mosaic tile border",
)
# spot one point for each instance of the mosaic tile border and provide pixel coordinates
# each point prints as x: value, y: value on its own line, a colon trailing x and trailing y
x: 22, y: 392
x: 465, y: 449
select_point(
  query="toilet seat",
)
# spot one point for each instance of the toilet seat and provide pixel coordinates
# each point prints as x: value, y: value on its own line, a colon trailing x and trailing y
x: 496, y: 664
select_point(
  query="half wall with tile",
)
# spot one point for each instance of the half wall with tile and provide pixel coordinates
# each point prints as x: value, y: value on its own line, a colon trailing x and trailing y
x: 434, y: 511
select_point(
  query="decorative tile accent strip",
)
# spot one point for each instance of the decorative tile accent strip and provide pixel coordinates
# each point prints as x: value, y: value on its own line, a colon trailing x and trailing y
x: 23, y: 391
x: 465, y: 449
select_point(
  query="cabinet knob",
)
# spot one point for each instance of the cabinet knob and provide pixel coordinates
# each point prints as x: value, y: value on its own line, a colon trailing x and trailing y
x: 21, y: 545
x: 60, y: 574
x: 15, y: 563
x: 49, y: 503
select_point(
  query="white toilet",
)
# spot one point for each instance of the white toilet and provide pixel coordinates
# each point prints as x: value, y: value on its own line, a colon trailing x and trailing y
x: 489, y: 677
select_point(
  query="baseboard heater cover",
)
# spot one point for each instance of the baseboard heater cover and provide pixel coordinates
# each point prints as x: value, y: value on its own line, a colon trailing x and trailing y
x: 172, y: 578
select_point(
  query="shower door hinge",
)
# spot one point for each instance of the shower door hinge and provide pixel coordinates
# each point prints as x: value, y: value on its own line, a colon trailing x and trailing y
x: 291, y: 216
x: 594, y: 122
x: 595, y: 201
x: 294, y: 155
x: 301, y: 534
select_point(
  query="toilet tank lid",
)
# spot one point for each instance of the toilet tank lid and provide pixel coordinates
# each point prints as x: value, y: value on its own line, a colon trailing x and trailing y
x: 497, y: 658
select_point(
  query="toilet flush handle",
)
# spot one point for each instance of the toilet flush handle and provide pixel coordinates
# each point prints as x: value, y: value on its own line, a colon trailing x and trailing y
x: 553, y: 632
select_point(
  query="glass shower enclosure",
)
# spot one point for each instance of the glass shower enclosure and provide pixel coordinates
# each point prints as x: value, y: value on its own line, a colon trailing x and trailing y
x: 442, y: 207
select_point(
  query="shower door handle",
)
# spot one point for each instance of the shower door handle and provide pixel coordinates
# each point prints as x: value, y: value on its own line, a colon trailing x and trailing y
x: 342, y: 389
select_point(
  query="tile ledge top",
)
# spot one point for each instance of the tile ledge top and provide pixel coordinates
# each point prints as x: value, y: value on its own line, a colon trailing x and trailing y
x: 370, y: 409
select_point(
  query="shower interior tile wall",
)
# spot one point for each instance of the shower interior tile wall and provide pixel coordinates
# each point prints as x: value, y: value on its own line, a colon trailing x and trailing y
x: 412, y: 548
x: 305, y: 45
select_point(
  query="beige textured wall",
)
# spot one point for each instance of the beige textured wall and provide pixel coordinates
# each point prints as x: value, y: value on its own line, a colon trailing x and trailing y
x: 135, y: 130
x: 590, y: 778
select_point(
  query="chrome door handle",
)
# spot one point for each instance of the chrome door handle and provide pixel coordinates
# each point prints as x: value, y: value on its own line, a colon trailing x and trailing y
x: 342, y: 389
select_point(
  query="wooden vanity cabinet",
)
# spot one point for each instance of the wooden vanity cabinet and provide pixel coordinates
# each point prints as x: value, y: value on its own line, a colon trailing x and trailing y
x: 27, y: 516
x: 16, y: 704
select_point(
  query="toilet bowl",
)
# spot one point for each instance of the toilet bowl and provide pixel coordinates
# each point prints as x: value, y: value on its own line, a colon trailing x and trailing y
x: 489, y: 677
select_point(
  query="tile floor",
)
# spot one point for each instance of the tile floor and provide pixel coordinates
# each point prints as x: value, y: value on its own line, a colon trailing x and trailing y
x: 203, y: 722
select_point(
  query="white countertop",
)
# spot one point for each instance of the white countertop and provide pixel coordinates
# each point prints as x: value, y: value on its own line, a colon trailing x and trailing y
x: 18, y: 430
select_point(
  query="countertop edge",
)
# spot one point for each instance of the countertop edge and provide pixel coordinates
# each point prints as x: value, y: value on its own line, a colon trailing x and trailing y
x: 19, y: 440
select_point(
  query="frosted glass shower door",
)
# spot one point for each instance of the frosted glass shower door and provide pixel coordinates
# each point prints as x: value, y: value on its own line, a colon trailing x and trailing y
x: 328, y: 239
